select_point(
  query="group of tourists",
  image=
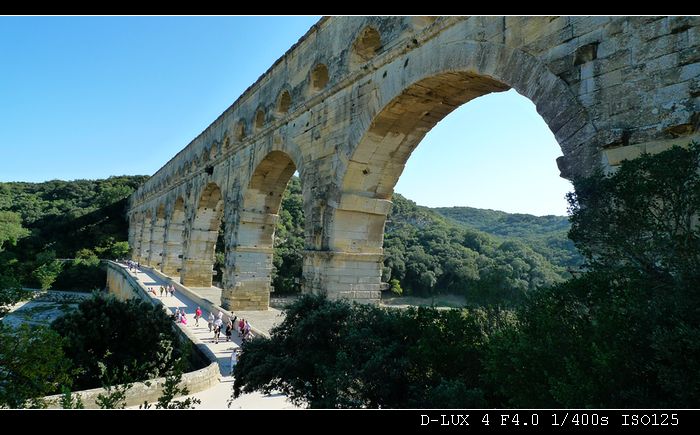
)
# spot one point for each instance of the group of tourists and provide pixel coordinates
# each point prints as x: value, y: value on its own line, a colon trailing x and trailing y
x: 180, y: 316
x: 243, y: 330
x: 217, y: 325
x: 168, y: 290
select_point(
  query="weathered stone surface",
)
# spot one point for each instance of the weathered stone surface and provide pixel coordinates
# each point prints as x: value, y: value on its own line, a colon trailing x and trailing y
x: 348, y: 104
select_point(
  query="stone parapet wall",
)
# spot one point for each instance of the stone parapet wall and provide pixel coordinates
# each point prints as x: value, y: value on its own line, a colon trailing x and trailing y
x: 140, y: 392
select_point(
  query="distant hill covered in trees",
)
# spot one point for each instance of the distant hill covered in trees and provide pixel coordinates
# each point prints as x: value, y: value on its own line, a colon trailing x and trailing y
x: 546, y: 235
x: 82, y: 219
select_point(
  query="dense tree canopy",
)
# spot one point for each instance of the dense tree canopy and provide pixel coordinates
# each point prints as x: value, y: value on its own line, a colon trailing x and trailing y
x: 627, y: 332
x: 131, y: 338
x: 428, y: 254
x: 11, y: 228
x: 32, y: 365
x: 329, y: 354
x: 61, y: 218
x: 546, y: 235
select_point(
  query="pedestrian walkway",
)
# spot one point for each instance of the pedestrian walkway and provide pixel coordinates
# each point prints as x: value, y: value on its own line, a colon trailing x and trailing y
x: 218, y: 396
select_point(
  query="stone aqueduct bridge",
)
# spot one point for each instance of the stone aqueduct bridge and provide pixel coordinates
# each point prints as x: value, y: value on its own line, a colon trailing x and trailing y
x: 347, y: 105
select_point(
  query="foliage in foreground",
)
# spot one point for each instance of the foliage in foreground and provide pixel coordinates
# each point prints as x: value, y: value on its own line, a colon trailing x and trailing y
x: 627, y: 333
x: 133, y: 339
x: 32, y: 365
x: 330, y: 354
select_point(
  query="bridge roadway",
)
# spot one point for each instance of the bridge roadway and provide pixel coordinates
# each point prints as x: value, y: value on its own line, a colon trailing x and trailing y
x: 218, y: 396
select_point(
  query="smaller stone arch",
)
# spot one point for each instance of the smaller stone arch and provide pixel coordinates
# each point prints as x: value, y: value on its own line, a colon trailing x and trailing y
x: 203, y: 157
x: 419, y: 23
x: 240, y: 130
x: 259, y: 120
x: 319, y: 77
x: 284, y: 103
x: 366, y: 46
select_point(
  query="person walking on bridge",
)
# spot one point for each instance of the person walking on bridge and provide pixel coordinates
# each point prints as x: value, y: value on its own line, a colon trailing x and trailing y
x: 211, y: 320
x: 229, y: 328
x: 217, y: 332
x: 246, y: 331
x: 197, y: 315
x: 241, y: 327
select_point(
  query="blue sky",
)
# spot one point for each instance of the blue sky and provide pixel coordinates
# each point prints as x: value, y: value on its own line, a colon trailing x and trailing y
x: 90, y: 97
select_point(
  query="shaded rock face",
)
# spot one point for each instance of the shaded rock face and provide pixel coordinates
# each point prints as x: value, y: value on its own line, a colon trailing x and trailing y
x: 347, y: 105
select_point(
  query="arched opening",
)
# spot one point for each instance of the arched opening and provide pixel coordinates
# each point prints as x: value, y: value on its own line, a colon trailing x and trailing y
x: 365, y: 46
x: 135, y: 228
x: 378, y: 160
x: 259, y: 120
x: 155, y: 253
x: 197, y: 266
x: 374, y: 166
x: 319, y: 77
x: 240, y: 132
x: 145, y: 237
x: 174, y: 239
x: 284, y: 102
x: 485, y: 166
x: 252, y: 265
x: 219, y: 256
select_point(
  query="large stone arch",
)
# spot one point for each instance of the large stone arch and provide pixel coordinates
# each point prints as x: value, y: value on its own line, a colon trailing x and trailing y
x: 437, y: 79
x: 198, y: 262
x: 247, y: 282
x: 174, y: 239
x: 441, y: 79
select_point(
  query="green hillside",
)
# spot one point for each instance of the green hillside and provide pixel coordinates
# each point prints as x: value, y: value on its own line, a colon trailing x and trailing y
x: 546, y: 235
x: 82, y: 219
x: 429, y: 253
